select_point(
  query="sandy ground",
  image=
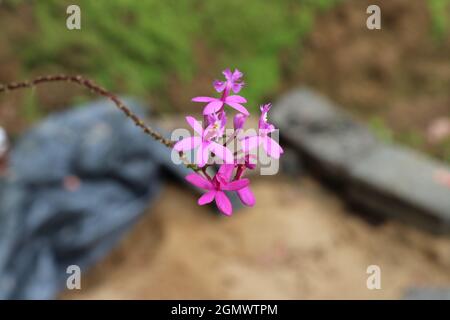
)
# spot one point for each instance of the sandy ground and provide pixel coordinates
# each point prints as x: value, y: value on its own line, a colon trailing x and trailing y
x: 298, y: 242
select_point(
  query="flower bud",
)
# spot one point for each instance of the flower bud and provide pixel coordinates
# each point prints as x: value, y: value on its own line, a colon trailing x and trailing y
x: 239, y: 121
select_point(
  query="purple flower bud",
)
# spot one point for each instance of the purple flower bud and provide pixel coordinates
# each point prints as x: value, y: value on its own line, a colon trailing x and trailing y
x: 239, y: 121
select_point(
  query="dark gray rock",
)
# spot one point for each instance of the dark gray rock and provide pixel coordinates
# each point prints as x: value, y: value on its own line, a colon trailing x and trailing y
x: 314, y: 124
x: 427, y: 294
x: 291, y: 163
x: 390, y: 180
x: 402, y: 184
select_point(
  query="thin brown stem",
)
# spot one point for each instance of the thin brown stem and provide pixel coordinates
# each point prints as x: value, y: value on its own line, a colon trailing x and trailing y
x: 206, y: 173
x: 95, y: 88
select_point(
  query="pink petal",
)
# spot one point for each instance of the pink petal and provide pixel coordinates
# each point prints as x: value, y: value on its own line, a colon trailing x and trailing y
x: 195, y: 125
x: 199, y: 181
x: 226, y: 170
x: 207, y: 198
x: 203, y: 154
x: 237, y: 87
x: 272, y: 148
x: 227, y: 73
x: 203, y: 99
x: 237, y: 75
x: 188, y: 143
x: 223, y: 203
x: 222, y: 152
x: 238, y: 107
x: 219, y: 85
x: 239, y: 121
x: 223, y: 118
x: 246, y: 196
x: 265, y: 108
x: 213, y: 106
x: 236, y: 99
x: 250, y: 143
x: 236, y: 185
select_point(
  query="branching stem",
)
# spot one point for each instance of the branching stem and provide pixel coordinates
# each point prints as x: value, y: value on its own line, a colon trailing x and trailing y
x: 95, y: 88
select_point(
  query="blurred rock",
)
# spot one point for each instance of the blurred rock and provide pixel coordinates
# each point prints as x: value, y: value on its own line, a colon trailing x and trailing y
x: 390, y: 180
x: 311, y: 123
x: 291, y: 163
x: 427, y: 294
x: 442, y: 176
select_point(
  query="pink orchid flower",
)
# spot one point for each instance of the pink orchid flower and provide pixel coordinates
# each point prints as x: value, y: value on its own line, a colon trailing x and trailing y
x: 204, y: 142
x: 229, y: 176
x: 233, y: 81
x: 217, y: 104
x: 216, y: 124
x: 217, y: 186
x: 270, y: 146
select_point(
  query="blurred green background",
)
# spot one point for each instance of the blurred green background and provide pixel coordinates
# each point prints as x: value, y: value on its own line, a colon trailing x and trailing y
x: 168, y: 51
x: 139, y: 46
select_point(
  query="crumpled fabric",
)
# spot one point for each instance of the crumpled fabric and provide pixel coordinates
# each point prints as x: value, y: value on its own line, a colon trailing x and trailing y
x: 76, y: 183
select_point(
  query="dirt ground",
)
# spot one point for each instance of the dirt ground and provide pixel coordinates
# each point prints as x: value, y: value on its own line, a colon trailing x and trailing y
x: 298, y: 242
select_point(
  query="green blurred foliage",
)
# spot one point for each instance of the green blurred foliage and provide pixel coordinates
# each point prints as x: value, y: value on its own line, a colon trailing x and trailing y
x: 135, y: 46
x: 30, y: 108
x: 440, y: 13
x: 131, y: 44
x: 445, y: 147
x: 139, y: 47
x: 381, y: 129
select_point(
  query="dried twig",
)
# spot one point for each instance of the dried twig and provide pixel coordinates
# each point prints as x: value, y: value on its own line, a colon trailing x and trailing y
x: 95, y: 88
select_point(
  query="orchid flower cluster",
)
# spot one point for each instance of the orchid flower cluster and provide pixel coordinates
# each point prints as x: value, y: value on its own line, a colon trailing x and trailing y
x: 212, y: 140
